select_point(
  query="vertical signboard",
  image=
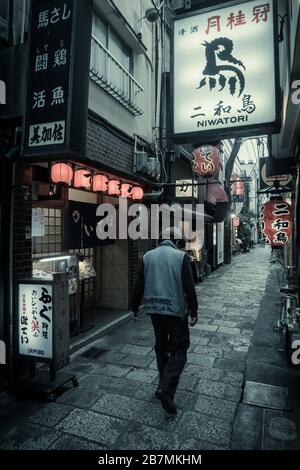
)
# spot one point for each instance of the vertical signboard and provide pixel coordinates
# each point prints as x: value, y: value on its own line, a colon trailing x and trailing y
x: 225, y: 78
x: 58, y: 76
x: 35, y: 320
x: 43, y: 320
x: 220, y: 233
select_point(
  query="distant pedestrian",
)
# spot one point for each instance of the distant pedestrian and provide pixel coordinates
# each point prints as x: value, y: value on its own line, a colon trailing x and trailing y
x: 166, y: 281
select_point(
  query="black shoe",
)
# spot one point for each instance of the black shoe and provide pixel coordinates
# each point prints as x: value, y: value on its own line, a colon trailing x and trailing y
x: 166, y: 401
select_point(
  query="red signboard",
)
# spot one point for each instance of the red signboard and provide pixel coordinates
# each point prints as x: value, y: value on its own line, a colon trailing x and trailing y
x: 277, y: 223
x: 206, y: 160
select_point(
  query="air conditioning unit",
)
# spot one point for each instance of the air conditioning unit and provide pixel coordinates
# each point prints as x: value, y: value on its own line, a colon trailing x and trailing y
x: 141, y: 161
x: 149, y: 166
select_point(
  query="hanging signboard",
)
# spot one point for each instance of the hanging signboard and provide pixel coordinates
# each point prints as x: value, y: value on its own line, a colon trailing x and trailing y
x: 58, y: 78
x: 237, y: 189
x: 225, y: 80
x: 220, y: 233
x: 186, y: 189
x: 268, y: 182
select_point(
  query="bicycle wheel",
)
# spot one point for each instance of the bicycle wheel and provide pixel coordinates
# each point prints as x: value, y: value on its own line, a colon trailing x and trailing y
x: 288, y: 344
x: 282, y: 318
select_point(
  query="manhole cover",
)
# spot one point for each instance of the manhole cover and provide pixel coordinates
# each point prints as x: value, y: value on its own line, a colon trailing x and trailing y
x: 266, y: 396
x: 282, y: 429
x: 93, y: 353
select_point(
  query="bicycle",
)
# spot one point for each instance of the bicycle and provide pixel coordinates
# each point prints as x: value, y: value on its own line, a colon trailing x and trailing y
x: 289, y: 319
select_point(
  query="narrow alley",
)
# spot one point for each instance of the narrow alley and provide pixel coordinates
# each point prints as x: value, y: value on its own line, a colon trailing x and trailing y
x: 114, y: 405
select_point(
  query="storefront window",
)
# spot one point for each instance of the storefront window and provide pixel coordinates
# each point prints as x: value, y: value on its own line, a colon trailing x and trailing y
x: 89, y: 284
x: 51, y: 242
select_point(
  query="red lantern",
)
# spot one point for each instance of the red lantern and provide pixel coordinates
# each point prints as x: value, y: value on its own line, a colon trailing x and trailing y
x: 277, y: 223
x: 100, y: 183
x: 114, y: 187
x: 206, y: 160
x: 236, y: 221
x: 239, y: 186
x: 137, y: 193
x: 82, y: 179
x: 61, y: 173
x: 126, y: 190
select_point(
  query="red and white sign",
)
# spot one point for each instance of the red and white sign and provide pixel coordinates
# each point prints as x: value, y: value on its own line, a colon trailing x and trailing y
x: 277, y: 223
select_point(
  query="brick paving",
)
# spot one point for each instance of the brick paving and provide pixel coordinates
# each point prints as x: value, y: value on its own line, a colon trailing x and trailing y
x: 114, y: 406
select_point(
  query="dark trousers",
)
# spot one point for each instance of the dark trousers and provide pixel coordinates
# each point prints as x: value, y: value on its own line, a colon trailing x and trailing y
x: 172, y: 340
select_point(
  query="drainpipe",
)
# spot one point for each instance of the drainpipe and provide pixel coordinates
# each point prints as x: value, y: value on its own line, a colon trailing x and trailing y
x: 11, y: 155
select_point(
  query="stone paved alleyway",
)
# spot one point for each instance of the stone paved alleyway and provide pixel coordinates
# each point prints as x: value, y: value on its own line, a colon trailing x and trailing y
x: 114, y: 406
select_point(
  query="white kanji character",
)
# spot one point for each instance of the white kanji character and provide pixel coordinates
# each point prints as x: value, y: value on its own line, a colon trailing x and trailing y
x: 60, y: 57
x: 55, y: 15
x: 43, y: 19
x: 58, y: 96
x: 41, y: 62
x: 39, y: 98
x: 66, y: 15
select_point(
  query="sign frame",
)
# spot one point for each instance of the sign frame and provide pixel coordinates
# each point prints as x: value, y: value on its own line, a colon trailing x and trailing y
x: 28, y: 357
x: 210, y: 136
x: 60, y: 321
x: 76, y: 112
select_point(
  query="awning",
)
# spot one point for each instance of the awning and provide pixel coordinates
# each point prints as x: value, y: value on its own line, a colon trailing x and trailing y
x: 215, y: 193
x: 216, y: 202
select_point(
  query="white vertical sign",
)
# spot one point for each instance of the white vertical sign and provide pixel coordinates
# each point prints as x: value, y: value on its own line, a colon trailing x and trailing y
x: 220, y: 255
x: 35, y: 320
x: 38, y: 223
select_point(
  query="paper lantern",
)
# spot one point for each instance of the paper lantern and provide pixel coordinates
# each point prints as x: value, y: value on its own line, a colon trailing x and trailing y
x: 126, y: 190
x: 206, y: 161
x: 100, y: 183
x: 137, y: 193
x: 277, y: 222
x: 114, y: 187
x: 82, y: 179
x: 61, y: 173
x: 238, y: 186
x: 236, y: 221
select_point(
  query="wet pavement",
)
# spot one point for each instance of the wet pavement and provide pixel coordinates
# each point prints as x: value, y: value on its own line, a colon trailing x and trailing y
x: 232, y: 346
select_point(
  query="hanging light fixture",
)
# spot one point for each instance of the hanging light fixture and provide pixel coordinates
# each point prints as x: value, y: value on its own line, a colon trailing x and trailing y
x: 82, y: 179
x: 61, y: 173
x: 114, y: 187
x: 100, y: 183
x: 137, y: 193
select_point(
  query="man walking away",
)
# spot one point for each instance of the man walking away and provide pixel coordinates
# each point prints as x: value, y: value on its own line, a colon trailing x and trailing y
x: 166, y: 281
